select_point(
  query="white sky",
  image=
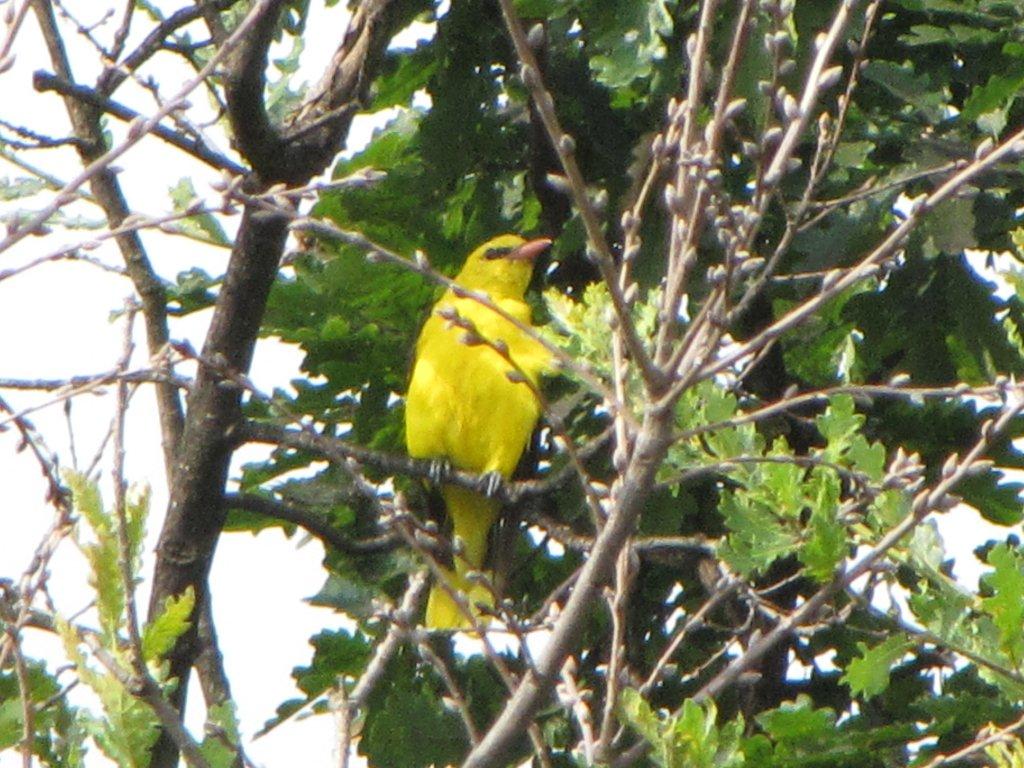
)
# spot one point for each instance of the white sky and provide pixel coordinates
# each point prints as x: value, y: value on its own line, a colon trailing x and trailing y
x: 56, y: 321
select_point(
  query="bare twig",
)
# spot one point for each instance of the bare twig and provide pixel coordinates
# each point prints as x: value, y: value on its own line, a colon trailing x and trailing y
x: 564, y: 146
x: 138, y: 130
x: 987, y: 738
x: 401, y: 621
x: 143, y: 687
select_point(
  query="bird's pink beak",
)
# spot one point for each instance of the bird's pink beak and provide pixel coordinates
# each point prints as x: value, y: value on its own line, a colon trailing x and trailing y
x: 530, y: 250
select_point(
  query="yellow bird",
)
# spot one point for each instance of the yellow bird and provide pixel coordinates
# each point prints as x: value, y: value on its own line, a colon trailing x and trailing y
x: 463, y: 408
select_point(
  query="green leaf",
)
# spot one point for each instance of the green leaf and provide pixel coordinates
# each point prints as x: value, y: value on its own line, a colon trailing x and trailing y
x: 637, y: 713
x: 159, y: 636
x: 220, y: 745
x: 103, y: 555
x: 348, y: 593
x: 409, y: 726
x: 839, y: 424
x: 951, y: 228
x: 868, y: 675
x: 999, y: 92
x: 87, y: 501
x: 996, y: 498
x: 798, y: 722
x: 406, y: 73
x: 19, y: 187
x: 204, y: 227
x: 192, y: 291
x: 336, y: 655
x: 866, y: 457
x: 757, y: 537
x: 888, y: 509
x: 903, y: 82
x: 690, y: 739
x: 626, y: 39
x: 826, y: 546
x: 11, y: 723
x: 1006, y: 605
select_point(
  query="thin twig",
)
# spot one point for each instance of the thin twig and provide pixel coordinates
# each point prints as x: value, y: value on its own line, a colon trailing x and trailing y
x: 125, y: 547
x: 137, y: 131
x: 564, y: 147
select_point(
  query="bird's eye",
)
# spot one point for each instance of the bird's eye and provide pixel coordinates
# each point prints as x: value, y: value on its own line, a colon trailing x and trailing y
x: 497, y: 253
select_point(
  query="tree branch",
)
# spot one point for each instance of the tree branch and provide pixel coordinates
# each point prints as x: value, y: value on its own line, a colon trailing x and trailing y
x: 194, y: 146
x: 195, y: 512
x: 85, y: 120
x: 537, y: 683
x: 312, y: 523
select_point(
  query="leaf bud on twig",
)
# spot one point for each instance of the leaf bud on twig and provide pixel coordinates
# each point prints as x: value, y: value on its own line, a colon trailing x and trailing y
x: 830, y: 279
x: 136, y: 128
x: 558, y: 183
x: 830, y: 77
x: 735, y: 107
x: 716, y: 274
x: 658, y: 145
x: 535, y: 37
x: 790, y: 107
x: 529, y: 76
x: 133, y: 221
x: 979, y: 467
x: 777, y: 41
x: 750, y: 266
x: 771, y: 138
x: 949, y: 466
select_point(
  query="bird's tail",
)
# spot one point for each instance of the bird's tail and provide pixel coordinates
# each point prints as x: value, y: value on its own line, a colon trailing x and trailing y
x: 472, y: 516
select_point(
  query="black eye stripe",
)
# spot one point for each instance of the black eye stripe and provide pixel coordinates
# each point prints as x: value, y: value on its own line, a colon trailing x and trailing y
x: 497, y: 253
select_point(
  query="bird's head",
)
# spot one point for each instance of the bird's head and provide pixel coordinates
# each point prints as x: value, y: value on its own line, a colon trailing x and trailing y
x: 502, y: 266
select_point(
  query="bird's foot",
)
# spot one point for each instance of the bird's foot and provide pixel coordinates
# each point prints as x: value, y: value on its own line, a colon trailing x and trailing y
x: 490, y: 483
x: 438, y: 470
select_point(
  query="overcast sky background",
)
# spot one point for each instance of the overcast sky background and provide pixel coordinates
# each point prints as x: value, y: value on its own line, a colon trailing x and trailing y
x: 56, y: 322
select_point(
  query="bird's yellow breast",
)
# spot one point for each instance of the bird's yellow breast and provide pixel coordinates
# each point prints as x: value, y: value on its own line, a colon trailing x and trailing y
x: 461, y: 404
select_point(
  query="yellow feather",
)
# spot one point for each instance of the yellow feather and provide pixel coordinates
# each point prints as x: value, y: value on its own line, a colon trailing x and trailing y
x: 463, y: 408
